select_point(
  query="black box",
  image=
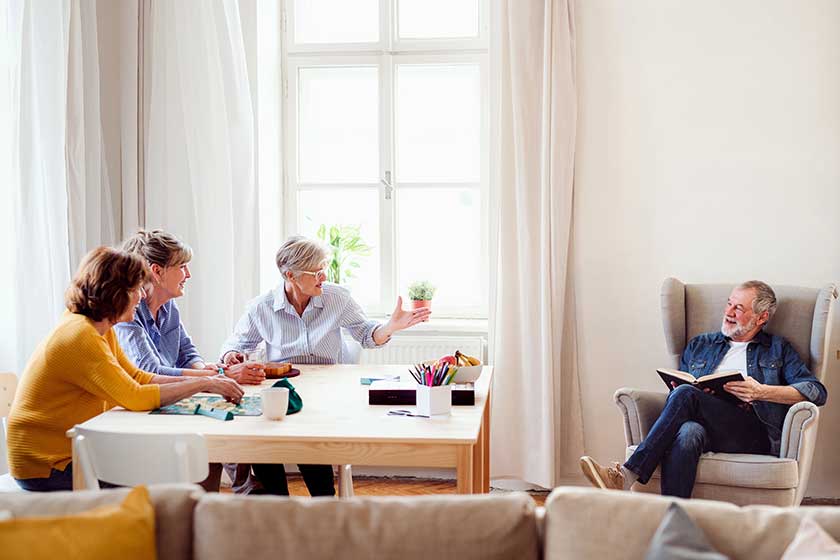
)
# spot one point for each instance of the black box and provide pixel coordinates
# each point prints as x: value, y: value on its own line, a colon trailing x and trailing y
x: 389, y: 393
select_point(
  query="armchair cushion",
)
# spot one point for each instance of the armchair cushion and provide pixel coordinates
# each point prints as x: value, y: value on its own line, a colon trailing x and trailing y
x: 743, y: 470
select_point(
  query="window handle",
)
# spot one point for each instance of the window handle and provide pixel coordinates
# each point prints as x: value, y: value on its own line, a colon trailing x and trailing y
x: 386, y: 182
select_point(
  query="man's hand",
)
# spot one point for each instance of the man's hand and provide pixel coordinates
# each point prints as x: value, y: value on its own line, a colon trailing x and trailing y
x: 748, y: 391
x: 227, y: 388
x: 233, y: 357
x: 250, y: 373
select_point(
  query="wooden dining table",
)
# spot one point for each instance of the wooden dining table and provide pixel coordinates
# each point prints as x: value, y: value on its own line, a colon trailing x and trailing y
x: 336, y: 426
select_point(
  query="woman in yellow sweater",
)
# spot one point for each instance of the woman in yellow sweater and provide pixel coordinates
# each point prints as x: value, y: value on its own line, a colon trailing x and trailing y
x: 79, y: 371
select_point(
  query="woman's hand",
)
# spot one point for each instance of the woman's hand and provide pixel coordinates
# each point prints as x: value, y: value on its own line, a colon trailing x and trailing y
x: 227, y: 388
x: 250, y: 373
x: 400, y: 319
x: 233, y: 357
x: 403, y: 319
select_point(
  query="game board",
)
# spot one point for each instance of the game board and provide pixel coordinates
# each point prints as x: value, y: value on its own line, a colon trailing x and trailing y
x: 250, y: 406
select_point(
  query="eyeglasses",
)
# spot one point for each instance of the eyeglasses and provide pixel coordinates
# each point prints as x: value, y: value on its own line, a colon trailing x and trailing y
x: 318, y: 274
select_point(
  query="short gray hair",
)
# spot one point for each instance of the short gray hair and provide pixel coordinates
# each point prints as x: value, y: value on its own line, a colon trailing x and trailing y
x: 300, y: 253
x: 765, y: 297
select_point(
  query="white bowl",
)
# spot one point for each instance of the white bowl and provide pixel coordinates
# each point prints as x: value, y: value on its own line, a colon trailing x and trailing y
x: 465, y: 374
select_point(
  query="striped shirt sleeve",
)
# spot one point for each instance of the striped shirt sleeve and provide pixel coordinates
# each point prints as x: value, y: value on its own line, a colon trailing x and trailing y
x: 135, y: 342
x: 246, y: 335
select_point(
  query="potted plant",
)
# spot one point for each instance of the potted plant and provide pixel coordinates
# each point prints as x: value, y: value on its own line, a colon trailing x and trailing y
x: 420, y: 293
x: 346, y: 244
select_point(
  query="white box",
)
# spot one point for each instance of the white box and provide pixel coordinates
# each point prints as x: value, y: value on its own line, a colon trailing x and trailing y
x: 434, y: 401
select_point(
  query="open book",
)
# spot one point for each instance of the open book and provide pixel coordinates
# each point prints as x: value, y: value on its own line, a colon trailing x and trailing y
x: 713, y: 381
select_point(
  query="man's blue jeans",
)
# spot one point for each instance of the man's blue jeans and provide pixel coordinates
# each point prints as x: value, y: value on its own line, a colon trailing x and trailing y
x: 692, y: 423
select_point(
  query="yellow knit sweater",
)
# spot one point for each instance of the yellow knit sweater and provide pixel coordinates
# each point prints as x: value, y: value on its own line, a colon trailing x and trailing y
x: 74, y: 375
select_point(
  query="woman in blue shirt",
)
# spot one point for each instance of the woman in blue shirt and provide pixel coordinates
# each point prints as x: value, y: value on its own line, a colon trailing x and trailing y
x: 300, y: 322
x: 156, y: 340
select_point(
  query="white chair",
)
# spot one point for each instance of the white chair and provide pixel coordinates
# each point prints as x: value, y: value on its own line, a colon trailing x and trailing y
x: 8, y: 386
x: 131, y: 459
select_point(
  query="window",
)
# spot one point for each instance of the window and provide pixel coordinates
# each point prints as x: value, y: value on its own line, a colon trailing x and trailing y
x: 385, y: 105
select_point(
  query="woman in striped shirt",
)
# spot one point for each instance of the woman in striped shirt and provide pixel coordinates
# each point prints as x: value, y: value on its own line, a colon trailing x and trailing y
x: 300, y: 322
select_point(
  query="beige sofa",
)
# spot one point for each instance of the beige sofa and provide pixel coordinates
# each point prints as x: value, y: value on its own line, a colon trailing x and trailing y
x: 576, y: 523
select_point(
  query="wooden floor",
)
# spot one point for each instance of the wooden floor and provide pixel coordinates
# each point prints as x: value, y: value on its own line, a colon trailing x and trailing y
x: 409, y: 486
x: 397, y: 486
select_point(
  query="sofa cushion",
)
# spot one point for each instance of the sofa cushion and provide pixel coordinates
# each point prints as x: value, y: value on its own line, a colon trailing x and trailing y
x: 442, y: 527
x: 590, y: 523
x: 173, y: 503
x: 125, y: 530
x: 679, y: 538
x: 811, y: 542
x: 743, y: 470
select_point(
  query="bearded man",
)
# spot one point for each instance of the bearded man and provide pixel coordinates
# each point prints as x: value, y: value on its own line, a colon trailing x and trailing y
x: 694, y: 422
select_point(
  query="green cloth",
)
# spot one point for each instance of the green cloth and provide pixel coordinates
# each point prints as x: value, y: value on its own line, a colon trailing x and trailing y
x: 295, y: 402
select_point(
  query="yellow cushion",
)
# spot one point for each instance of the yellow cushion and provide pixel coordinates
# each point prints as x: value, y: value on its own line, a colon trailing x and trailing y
x: 125, y: 531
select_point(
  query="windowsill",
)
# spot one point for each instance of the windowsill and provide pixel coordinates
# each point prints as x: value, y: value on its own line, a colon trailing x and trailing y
x: 460, y: 327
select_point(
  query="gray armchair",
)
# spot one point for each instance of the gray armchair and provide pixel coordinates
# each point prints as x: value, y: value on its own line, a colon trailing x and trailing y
x: 803, y: 317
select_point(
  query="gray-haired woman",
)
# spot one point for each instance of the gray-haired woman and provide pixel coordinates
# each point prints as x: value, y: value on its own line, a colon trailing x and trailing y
x: 300, y: 321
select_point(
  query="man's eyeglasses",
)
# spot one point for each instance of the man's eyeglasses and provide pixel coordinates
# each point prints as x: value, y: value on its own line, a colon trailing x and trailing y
x: 318, y: 274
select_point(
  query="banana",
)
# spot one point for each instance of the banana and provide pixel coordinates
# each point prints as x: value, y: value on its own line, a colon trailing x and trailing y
x: 464, y: 360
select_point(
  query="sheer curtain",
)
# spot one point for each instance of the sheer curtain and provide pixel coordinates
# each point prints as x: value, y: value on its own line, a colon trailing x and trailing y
x: 56, y: 195
x: 199, y: 168
x: 537, y: 429
x: 36, y: 37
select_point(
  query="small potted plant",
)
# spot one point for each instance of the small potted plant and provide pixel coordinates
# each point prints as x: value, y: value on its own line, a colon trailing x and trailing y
x: 421, y: 293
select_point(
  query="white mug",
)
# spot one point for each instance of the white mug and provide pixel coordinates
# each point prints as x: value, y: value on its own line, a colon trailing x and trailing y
x: 275, y: 402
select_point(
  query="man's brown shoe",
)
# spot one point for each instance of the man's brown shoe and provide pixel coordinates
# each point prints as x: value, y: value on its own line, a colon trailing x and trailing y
x: 608, y: 478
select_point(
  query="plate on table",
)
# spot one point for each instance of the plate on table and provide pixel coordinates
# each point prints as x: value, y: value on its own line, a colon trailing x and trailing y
x: 279, y: 370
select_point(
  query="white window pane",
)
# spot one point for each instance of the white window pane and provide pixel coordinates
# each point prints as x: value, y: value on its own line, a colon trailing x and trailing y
x: 338, y: 125
x: 336, y: 21
x: 438, y: 123
x: 439, y: 240
x: 438, y: 19
x: 347, y: 207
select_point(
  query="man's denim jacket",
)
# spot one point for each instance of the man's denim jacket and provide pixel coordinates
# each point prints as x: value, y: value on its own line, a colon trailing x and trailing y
x: 771, y: 360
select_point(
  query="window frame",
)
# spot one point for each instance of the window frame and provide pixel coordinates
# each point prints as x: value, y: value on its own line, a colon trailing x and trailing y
x: 386, y: 54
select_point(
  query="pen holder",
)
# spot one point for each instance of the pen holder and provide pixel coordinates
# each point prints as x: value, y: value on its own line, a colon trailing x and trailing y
x: 433, y: 401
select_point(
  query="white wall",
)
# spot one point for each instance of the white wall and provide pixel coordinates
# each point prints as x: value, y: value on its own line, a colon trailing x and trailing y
x: 709, y: 150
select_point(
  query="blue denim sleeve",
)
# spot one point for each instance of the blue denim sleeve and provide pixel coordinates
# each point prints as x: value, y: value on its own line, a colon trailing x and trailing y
x: 798, y: 376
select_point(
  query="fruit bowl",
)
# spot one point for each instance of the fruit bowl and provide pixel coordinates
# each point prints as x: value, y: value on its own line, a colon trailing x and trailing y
x: 467, y: 374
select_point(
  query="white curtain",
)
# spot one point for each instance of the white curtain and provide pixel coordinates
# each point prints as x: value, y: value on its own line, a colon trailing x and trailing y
x: 93, y: 216
x: 536, y: 419
x: 56, y: 196
x: 35, y: 188
x: 199, y: 145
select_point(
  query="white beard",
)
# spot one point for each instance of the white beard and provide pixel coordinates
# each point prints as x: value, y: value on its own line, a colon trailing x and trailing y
x: 737, y: 330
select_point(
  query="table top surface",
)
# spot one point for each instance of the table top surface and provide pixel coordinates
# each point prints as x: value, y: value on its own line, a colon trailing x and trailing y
x: 335, y: 408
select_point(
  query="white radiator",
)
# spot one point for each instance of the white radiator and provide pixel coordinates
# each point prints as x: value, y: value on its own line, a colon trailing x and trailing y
x: 415, y: 349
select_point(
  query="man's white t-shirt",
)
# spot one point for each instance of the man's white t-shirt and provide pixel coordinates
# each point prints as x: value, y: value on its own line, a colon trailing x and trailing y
x: 735, y: 359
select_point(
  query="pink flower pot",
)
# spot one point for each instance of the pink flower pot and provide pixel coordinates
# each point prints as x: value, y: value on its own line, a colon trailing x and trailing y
x: 421, y: 303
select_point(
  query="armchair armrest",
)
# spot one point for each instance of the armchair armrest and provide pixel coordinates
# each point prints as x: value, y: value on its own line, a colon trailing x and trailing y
x: 640, y: 410
x: 799, y: 431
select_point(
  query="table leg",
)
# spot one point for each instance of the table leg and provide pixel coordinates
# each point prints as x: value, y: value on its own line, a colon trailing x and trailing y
x: 464, y: 469
x: 78, y: 478
x: 478, y: 465
x: 485, y: 447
